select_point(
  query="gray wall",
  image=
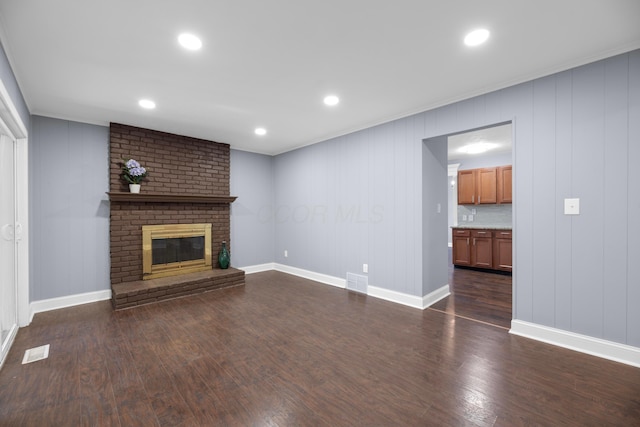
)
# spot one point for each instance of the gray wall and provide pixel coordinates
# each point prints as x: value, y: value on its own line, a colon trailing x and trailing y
x: 69, y: 210
x: 252, y: 226
x: 434, y: 218
x: 11, y: 84
x: 576, y: 135
x: 352, y: 200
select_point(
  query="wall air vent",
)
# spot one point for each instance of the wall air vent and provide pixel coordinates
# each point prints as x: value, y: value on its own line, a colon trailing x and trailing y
x: 357, y: 283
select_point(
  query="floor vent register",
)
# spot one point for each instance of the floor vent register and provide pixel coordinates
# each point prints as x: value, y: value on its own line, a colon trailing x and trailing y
x: 35, y: 354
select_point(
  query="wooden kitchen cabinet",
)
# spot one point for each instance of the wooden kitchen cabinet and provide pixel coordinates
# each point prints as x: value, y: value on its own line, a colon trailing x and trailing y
x: 504, y: 181
x: 461, y: 253
x: 482, y: 248
x: 467, y: 187
x: 502, y: 250
x: 484, y: 186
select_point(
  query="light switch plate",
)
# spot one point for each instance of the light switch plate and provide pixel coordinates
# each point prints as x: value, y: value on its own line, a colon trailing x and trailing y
x: 572, y: 206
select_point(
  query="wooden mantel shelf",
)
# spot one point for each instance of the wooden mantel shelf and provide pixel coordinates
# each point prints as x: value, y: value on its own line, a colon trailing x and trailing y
x: 168, y: 198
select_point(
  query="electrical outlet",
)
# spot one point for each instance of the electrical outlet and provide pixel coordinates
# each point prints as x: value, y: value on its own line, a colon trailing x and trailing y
x: 470, y: 218
x: 464, y: 217
x: 286, y: 253
x: 365, y: 268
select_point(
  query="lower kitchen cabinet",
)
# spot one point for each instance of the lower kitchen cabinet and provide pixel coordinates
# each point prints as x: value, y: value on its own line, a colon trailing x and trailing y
x: 482, y: 248
x: 461, y: 247
x: 502, y: 250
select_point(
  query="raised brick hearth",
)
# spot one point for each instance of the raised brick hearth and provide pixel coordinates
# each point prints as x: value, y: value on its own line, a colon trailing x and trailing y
x: 187, y: 183
x: 132, y: 294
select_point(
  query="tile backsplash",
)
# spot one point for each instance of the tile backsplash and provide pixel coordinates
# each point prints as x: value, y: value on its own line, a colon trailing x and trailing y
x: 486, y: 215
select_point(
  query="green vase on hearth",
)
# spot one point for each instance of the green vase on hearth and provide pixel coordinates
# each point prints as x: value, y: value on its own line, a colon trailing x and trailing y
x: 223, y: 256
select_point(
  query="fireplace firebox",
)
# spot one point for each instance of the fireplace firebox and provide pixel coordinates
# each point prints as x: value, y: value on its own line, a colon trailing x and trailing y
x: 174, y: 249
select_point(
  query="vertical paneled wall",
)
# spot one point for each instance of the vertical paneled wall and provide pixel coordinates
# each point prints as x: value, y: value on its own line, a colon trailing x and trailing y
x: 577, y: 134
x: 434, y: 214
x: 69, y: 208
x: 252, y: 230
x: 354, y: 200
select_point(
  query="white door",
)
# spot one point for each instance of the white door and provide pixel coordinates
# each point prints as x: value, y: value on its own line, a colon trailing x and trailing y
x: 8, y: 231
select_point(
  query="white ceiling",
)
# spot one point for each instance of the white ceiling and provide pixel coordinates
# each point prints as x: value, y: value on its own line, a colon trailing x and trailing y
x: 270, y: 63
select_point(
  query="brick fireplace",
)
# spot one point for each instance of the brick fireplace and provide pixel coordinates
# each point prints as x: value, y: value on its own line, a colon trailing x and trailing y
x: 187, y: 183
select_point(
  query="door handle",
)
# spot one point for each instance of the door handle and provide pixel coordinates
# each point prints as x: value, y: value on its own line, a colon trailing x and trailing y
x: 7, y: 232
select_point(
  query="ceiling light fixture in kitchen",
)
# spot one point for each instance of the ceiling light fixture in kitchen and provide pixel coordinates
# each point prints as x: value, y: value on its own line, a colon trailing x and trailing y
x: 331, y: 100
x: 260, y: 131
x: 477, y: 147
x: 189, y: 41
x: 147, y: 104
x: 476, y: 37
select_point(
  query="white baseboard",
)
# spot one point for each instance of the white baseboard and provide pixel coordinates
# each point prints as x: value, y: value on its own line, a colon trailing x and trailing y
x: 395, y: 296
x: 410, y: 300
x: 258, y: 268
x: 385, y: 294
x: 585, y: 344
x: 311, y: 275
x: 435, y: 296
x: 67, y: 301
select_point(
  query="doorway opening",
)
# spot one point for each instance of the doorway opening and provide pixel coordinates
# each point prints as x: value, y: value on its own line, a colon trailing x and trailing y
x: 480, y: 225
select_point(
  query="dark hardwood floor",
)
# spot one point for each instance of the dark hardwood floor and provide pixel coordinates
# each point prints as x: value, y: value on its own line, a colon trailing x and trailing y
x: 481, y: 295
x: 285, y: 351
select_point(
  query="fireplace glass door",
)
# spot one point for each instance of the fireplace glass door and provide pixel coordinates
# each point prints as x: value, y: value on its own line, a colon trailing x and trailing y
x: 166, y: 251
x: 174, y: 249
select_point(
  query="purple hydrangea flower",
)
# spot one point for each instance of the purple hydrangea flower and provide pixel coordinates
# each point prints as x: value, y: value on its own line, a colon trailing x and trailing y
x: 132, y: 172
x: 132, y: 164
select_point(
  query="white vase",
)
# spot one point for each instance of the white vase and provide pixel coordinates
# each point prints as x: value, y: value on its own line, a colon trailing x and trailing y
x: 134, y: 188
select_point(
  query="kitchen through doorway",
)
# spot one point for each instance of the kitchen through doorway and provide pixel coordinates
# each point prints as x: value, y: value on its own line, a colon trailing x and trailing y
x: 480, y: 277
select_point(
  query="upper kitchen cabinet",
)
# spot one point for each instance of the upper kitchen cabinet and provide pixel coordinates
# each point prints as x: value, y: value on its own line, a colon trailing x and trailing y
x: 484, y: 186
x: 504, y: 184
x: 466, y: 187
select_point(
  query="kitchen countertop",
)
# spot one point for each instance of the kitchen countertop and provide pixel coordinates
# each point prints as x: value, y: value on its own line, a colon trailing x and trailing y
x: 483, y: 227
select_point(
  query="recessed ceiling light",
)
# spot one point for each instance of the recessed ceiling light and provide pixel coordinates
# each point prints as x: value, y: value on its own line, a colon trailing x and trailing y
x: 331, y: 100
x: 477, y: 147
x: 260, y: 131
x: 147, y: 103
x: 189, y: 41
x: 476, y: 37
